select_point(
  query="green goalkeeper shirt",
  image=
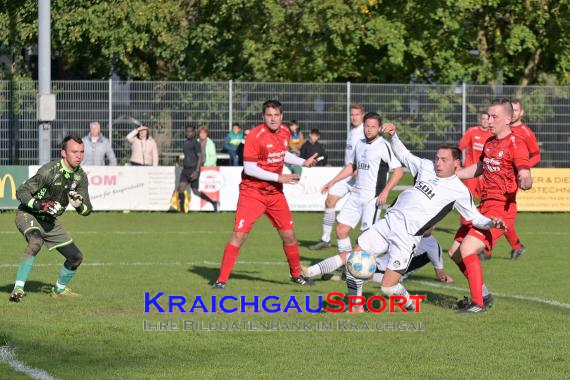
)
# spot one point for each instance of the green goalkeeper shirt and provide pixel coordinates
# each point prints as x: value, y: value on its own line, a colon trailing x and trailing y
x: 54, y: 181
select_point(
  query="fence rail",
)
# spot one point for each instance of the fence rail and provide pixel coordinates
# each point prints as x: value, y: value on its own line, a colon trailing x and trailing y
x: 428, y: 114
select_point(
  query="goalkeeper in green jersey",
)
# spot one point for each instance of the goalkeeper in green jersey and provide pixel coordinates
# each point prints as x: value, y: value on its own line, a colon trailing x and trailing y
x: 43, y: 198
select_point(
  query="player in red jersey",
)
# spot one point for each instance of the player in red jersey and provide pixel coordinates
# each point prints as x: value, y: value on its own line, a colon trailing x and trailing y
x: 472, y: 145
x: 504, y: 167
x: 525, y: 133
x: 261, y: 191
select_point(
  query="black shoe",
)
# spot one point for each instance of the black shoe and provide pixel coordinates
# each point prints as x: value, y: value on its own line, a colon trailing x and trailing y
x: 302, y: 280
x: 488, y: 301
x: 327, y: 276
x: 320, y: 245
x: 484, y: 256
x: 219, y: 285
x: 516, y: 253
x: 472, y: 308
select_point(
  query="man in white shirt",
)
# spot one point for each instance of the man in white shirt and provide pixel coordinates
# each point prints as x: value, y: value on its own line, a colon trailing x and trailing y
x: 337, y: 192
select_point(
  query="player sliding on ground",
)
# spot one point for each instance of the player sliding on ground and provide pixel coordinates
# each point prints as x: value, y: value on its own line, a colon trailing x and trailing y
x: 437, y: 190
x: 44, y: 198
x: 371, y: 160
x: 261, y: 191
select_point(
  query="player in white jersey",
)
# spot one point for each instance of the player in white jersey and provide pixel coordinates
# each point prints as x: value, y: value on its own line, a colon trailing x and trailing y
x: 341, y: 188
x: 428, y: 251
x: 371, y: 160
x: 437, y: 190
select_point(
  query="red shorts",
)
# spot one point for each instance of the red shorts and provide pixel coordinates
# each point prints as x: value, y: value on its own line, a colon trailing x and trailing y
x: 474, y: 186
x: 500, y: 209
x: 252, y: 205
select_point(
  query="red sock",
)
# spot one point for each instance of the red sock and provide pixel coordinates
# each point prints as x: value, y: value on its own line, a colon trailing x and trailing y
x: 512, y: 237
x: 292, y: 253
x: 475, y: 278
x: 231, y: 253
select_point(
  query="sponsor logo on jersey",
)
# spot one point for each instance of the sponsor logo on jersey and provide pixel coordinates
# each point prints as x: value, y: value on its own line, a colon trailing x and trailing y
x: 363, y: 166
x: 426, y: 189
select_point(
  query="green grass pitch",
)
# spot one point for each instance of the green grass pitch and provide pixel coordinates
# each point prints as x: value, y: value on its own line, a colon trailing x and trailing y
x: 100, y: 335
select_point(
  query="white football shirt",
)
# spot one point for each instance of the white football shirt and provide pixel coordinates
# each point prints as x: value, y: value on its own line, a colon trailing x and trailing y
x: 373, y: 162
x: 432, y: 197
x: 354, y: 136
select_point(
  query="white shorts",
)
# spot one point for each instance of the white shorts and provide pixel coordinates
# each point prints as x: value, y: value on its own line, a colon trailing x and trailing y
x: 359, y: 209
x: 390, y: 236
x: 341, y: 188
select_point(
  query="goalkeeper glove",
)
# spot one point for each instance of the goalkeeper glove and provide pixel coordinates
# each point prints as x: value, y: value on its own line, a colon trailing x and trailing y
x: 49, y: 207
x: 75, y: 199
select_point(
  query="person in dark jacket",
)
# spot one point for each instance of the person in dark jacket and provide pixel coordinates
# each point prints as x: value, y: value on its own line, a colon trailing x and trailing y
x: 312, y: 146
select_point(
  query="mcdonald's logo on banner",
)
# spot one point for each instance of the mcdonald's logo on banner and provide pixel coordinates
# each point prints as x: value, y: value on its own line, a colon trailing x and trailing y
x: 11, y: 177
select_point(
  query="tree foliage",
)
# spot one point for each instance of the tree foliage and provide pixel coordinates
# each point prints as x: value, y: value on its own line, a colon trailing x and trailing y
x: 478, y: 41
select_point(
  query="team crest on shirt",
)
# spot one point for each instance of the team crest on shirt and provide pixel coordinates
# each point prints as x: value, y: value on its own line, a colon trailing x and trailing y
x: 501, y: 154
x: 285, y: 143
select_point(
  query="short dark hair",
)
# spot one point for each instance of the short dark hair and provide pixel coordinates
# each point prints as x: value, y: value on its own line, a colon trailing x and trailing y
x: 273, y: 104
x: 236, y: 125
x: 67, y: 138
x: 373, y: 115
x: 315, y: 131
x: 190, y: 127
x: 506, y: 103
x: 517, y: 101
x: 294, y: 122
x: 455, y: 152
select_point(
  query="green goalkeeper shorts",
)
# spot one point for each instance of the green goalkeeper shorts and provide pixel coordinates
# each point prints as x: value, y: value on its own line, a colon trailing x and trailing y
x: 53, y: 233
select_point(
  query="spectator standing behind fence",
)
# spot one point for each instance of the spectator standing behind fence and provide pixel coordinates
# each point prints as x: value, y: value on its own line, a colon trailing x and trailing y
x: 97, y: 147
x: 208, y: 146
x: 233, y: 139
x: 312, y: 146
x: 295, y: 142
x: 240, y: 147
x: 144, y: 151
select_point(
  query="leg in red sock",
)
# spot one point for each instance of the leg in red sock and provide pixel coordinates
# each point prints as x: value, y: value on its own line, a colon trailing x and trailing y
x: 231, y: 253
x: 475, y: 277
x: 292, y: 253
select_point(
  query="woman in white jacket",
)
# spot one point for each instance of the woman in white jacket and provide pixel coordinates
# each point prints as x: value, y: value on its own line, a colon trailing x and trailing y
x: 143, y: 147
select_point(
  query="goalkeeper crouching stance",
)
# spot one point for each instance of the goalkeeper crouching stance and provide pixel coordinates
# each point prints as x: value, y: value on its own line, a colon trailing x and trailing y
x: 44, y: 197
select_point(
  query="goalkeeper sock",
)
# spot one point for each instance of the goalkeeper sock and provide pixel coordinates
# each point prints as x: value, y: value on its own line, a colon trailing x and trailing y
x: 293, y: 258
x: 328, y: 265
x: 231, y: 253
x: 65, y: 275
x: 328, y: 222
x: 475, y: 278
x: 377, y: 277
x: 26, y: 265
x: 344, y: 245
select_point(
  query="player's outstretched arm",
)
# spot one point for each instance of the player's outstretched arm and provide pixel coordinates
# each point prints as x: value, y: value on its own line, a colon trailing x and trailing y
x: 440, y: 273
x: 402, y: 153
x: 251, y: 169
x: 471, y: 171
x: 345, y: 172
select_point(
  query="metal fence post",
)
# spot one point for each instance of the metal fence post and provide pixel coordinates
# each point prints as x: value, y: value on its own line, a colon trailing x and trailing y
x: 111, y: 111
x: 347, y: 108
x: 463, y: 113
x: 231, y: 97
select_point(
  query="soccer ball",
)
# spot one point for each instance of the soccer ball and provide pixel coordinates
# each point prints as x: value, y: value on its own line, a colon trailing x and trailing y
x: 361, y: 265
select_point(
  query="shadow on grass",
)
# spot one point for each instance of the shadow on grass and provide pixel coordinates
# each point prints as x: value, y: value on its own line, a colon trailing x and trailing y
x: 31, y: 287
x: 211, y: 274
x: 308, y: 243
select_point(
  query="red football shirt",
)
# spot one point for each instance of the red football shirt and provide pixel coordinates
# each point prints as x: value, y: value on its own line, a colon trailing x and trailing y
x: 525, y: 133
x: 502, y: 160
x: 472, y: 143
x: 267, y: 149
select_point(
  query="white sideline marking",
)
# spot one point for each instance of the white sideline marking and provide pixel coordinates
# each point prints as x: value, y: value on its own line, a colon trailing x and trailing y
x: 512, y: 296
x: 7, y: 355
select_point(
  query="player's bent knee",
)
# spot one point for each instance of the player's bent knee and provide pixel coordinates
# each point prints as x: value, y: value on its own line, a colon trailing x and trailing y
x: 331, y: 201
x: 35, y: 242
x: 73, y: 256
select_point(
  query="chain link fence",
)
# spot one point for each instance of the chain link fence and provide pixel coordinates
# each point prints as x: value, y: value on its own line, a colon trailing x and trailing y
x: 427, y: 114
